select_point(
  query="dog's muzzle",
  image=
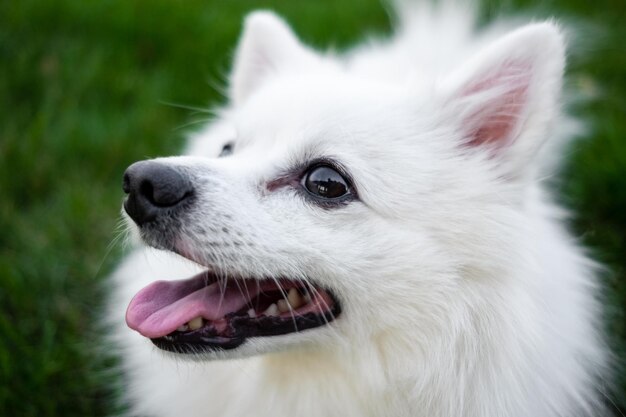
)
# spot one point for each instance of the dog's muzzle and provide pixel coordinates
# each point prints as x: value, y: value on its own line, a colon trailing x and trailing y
x: 154, y: 189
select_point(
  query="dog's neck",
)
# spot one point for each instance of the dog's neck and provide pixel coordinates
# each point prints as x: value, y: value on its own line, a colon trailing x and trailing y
x: 361, y: 373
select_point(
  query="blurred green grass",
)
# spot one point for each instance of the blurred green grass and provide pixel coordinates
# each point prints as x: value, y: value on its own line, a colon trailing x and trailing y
x: 82, y: 93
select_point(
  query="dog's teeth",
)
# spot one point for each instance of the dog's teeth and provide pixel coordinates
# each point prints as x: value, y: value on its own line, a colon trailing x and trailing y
x: 182, y: 328
x: 283, y: 306
x: 195, y: 324
x: 306, y: 298
x: 251, y: 313
x: 271, y: 310
x: 294, y: 298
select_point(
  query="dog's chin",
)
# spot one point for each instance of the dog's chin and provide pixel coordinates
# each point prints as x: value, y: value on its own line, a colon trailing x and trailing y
x: 215, y: 315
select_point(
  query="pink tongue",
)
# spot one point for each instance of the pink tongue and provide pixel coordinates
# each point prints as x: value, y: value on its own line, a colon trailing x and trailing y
x: 163, y: 306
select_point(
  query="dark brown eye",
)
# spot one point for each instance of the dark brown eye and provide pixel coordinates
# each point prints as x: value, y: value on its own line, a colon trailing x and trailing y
x: 325, y: 182
x: 227, y: 149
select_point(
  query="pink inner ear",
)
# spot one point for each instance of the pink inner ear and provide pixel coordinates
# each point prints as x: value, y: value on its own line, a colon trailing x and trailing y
x: 497, y: 103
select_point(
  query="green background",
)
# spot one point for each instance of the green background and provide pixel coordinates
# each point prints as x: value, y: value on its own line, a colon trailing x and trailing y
x: 84, y: 91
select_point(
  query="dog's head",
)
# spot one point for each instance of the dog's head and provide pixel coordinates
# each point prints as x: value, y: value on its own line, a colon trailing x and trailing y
x: 326, y: 203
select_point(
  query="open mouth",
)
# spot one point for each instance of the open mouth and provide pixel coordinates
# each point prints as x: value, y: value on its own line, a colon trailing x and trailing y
x: 205, y: 313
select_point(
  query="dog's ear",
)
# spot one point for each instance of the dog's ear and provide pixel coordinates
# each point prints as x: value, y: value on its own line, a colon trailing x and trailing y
x: 267, y: 45
x: 505, y: 97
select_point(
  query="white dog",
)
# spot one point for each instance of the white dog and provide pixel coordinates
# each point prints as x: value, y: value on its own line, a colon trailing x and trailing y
x: 366, y: 235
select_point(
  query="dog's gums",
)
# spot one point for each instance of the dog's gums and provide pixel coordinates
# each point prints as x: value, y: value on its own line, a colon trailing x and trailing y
x: 205, y: 313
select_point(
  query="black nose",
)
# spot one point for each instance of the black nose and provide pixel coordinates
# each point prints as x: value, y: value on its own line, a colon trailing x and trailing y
x: 152, y: 189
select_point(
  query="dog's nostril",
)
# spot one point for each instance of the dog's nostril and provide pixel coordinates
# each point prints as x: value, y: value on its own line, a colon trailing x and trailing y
x: 147, y: 190
x: 165, y: 192
x: 126, y: 183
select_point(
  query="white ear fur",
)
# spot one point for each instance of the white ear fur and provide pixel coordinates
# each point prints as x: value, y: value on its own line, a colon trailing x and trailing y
x: 267, y: 45
x: 505, y: 97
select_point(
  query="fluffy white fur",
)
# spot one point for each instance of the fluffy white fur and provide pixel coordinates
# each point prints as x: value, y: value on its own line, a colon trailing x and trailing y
x: 462, y: 293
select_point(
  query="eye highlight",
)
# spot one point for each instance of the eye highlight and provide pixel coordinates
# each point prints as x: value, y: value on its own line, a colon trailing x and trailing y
x: 325, y: 182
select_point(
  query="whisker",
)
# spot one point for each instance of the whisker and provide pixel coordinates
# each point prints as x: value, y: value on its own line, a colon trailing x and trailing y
x: 191, y: 123
x: 313, y: 290
x: 120, y: 234
x: 247, y: 295
x: 282, y: 291
x: 187, y: 107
